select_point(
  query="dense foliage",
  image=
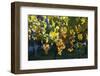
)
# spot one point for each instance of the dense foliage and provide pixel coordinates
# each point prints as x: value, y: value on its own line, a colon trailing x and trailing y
x: 65, y: 33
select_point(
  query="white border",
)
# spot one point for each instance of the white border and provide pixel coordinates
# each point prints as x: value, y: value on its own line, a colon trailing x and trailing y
x: 25, y: 64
